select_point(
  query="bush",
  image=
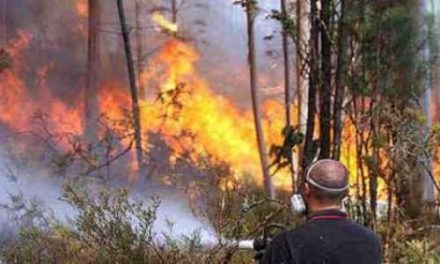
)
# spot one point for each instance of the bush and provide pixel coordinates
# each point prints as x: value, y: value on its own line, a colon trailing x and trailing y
x: 109, y: 227
x: 418, y: 251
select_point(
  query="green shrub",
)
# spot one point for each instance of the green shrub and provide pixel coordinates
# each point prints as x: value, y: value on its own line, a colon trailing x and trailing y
x: 418, y: 251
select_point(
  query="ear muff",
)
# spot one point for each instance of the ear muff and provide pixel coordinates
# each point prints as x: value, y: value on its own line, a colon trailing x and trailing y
x: 298, y: 204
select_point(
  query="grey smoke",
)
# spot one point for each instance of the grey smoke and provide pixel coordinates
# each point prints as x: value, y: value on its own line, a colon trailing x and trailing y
x: 174, y: 218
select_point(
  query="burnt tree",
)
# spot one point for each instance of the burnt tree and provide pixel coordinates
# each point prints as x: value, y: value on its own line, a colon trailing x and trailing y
x: 287, y: 76
x: 133, y: 86
x: 139, y: 47
x: 93, y: 79
x: 325, y: 80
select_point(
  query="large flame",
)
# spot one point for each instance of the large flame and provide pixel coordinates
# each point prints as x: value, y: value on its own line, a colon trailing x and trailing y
x: 187, y: 104
x: 17, y: 105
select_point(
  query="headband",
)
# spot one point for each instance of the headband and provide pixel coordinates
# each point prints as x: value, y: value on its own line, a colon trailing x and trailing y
x: 320, y: 186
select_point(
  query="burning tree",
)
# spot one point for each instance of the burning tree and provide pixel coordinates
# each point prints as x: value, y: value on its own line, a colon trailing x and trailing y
x: 93, y: 80
x: 133, y: 85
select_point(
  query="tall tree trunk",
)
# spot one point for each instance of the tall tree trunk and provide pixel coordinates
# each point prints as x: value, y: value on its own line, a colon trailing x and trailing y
x: 429, y: 193
x: 287, y: 81
x: 287, y: 88
x: 93, y: 79
x: 375, y: 128
x: 340, y: 82
x: 302, y: 69
x: 374, y: 166
x: 309, y: 147
x: 133, y: 86
x: 325, y: 84
x: 250, y: 15
x: 302, y: 48
x: 139, y: 47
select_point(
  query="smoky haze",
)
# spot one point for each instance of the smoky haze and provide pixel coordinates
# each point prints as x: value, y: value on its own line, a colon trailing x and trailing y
x: 36, y: 186
x: 216, y: 28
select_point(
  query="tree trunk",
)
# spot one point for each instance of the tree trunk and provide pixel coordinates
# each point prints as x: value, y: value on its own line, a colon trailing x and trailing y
x: 302, y: 68
x: 303, y: 36
x: 250, y: 14
x: 325, y: 92
x: 133, y: 88
x: 375, y: 128
x: 429, y: 193
x: 174, y: 14
x: 310, y: 147
x: 139, y: 48
x: 93, y: 79
x: 287, y: 88
x: 287, y: 81
x: 341, y: 72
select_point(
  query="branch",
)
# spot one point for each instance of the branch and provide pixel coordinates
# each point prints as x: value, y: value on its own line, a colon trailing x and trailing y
x: 108, y: 162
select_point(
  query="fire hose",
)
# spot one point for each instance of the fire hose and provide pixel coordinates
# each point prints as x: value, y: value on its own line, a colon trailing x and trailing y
x: 260, y: 244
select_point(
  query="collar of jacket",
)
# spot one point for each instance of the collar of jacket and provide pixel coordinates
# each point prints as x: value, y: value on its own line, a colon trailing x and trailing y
x: 331, y: 214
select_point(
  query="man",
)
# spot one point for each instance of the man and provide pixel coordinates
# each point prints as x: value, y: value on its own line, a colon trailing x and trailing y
x: 328, y: 236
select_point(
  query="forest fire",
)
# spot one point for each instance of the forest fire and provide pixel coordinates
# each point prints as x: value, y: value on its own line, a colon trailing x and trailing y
x: 179, y: 105
x: 188, y: 126
x: 186, y: 104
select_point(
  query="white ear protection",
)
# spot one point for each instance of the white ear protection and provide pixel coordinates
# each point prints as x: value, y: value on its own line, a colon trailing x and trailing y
x: 297, y: 201
x: 298, y: 204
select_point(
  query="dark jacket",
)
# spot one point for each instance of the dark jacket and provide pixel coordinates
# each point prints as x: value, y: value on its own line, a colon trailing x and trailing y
x: 327, y: 237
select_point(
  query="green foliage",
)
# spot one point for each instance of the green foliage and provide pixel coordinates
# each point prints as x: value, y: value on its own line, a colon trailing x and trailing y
x: 405, y: 244
x: 287, y: 23
x: 108, y: 229
x: 118, y: 227
x: 282, y: 154
x: 394, y: 42
x: 418, y: 251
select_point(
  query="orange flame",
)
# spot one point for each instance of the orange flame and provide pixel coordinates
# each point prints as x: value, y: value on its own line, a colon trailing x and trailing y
x: 164, y: 23
x: 16, y: 105
x: 82, y: 8
x: 219, y: 129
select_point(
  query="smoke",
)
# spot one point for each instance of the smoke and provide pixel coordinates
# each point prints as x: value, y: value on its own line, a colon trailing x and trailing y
x: 174, y: 220
x: 216, y: 28
x: 220, y: 30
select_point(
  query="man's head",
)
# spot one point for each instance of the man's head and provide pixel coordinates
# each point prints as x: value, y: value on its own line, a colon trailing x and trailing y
x: 326, y: 184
